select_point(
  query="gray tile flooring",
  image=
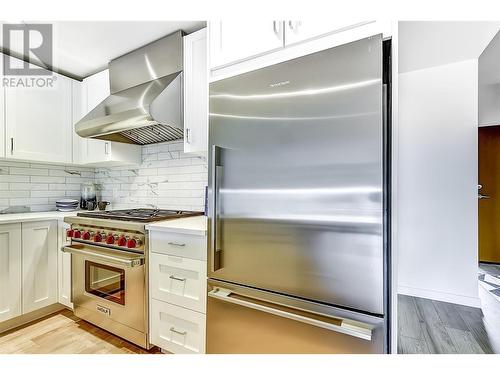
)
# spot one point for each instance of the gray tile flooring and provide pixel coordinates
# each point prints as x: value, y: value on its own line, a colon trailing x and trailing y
x: 489, y: 278
x: 433, y: 327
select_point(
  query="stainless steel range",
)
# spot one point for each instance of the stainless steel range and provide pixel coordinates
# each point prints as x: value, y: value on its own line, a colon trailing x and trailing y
x: 110, y: 269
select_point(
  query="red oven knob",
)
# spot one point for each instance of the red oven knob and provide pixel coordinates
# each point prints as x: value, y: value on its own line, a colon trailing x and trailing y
x: 86, y: 235
x: 70, y: 233
x: 132, y: 243
x: 110, y: 239
x: 77, y: 234
x: 97, y: 238
x: 122, y: 241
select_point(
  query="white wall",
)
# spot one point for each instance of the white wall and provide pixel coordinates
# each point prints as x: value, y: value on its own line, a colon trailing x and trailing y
x: 489, y: 104
x: 437, y: 183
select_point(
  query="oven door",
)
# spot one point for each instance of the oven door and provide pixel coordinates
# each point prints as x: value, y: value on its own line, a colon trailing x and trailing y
x: 108, y: 289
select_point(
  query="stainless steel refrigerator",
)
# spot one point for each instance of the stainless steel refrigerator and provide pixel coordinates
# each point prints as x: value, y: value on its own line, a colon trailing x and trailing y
x: 298, y: 205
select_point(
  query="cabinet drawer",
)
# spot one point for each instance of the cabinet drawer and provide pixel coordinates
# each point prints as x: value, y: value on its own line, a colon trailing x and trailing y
x: 180, y: 281
x: 176, y: 329
x: 182, y: 245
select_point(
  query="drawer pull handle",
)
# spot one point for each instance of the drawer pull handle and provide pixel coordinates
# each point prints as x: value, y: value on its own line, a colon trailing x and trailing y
x: 177, y: 244
x: 172, y: 329
x: 177, y: 278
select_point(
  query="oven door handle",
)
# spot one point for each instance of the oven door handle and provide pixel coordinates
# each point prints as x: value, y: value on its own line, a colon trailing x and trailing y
x: 123, y: 261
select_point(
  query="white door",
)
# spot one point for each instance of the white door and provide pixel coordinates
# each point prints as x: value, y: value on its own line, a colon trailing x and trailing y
x: 298, y: 31
x: 38, y: 122
x: 196, y: 92
x: 97, y: 89
x: 64, y: 267
x: 39, y: 242
x: 231, y: 41
x: 10, y: 271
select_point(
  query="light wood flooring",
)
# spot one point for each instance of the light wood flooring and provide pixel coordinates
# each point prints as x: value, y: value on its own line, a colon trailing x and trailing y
x: 64, y: 333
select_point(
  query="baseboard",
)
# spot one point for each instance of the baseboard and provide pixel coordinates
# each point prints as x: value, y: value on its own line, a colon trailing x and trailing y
x: 439, y: 296
x: 27, y: 318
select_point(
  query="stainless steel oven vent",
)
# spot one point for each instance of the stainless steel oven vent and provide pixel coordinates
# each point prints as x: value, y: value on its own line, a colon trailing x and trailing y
x: 145, y: 105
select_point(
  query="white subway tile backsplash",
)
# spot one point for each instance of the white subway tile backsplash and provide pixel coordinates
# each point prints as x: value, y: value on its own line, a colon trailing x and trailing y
x: 55, y: 193
x: 38, y: 185
x: 28, y: 201
x: 9, y: 178
x: 14, y: 193
x: 167, y: 178
x: 72, y: 187
x: 26, y: 186
x: 58, y: 180
x: 29, y: 171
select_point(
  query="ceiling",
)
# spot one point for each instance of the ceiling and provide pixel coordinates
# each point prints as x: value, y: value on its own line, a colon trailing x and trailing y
x: 424, y: 44
x: 82, y: 48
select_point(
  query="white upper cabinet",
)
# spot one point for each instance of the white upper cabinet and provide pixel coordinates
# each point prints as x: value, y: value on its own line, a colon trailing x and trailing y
x: 196, y: 92
x: 39, y: 264
x: 79, y: 110
x: 231, y: 41
x: 2, y: 115
x: 298, y: 31
x: 37, y: 122
x: 2, y: 124
x: 239, y: 47
x: 97, y: 89
x: 94, y: 90
x: 10, y: 271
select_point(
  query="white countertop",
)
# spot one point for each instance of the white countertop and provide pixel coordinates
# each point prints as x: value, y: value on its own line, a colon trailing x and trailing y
x: 195, y: 225
x: 34, y: 216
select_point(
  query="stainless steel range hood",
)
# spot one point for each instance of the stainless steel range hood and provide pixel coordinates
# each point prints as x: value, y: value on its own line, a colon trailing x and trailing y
x: 145, y: 105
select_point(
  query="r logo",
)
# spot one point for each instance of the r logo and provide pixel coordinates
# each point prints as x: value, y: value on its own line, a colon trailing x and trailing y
x: 34, y: 42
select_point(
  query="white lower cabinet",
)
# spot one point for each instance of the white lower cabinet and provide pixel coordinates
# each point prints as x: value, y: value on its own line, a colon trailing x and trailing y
x: 180, y: 281
x: 64, y: 268
x: 178, y: 291
x: 10, y: 271
x: 176, y: 329
x: 39, y: 264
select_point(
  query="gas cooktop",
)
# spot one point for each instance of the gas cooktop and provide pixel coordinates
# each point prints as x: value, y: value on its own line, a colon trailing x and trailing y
x: 143, y: 215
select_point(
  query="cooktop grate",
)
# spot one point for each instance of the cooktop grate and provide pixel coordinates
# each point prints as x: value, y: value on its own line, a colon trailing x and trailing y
x: 140, y: 215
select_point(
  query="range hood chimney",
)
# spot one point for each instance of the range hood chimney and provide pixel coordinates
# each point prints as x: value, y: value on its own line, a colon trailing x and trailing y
x: 145, y: 105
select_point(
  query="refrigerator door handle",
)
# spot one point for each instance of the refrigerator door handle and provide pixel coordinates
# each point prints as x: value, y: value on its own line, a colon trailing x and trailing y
x: 344, y: 326
x: 215, y: 233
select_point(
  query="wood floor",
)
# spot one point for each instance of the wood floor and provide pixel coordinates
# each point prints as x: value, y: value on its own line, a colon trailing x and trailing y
x: 424, y: 327
x: 64, y: 333
x: 433, y: 327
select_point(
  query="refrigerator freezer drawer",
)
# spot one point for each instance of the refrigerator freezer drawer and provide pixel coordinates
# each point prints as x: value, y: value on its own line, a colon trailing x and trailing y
x: 239, y: 324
